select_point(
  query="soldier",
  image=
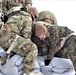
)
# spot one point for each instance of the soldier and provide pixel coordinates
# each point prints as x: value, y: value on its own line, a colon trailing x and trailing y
x: 55, y: 41
x: 48, y: 17
x: 18, y: 28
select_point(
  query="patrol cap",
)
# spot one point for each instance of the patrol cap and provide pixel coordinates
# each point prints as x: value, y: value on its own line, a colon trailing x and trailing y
x: 47, y: 15
x: 41, y: 30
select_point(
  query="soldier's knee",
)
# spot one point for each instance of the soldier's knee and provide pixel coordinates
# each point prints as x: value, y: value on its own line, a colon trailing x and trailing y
x: 34, y: 51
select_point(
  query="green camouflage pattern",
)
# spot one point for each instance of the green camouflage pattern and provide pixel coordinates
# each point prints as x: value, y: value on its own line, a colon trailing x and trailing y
x: 69, y: 50
x: 28, y: 2
x: 20, y: 24
x: 5, y: 5
x: 47, y: 15
x: 51, y: 44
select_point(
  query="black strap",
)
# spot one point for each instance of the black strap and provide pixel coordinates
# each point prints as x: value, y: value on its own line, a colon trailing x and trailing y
x: 23, y: 9
x: 4, y: 18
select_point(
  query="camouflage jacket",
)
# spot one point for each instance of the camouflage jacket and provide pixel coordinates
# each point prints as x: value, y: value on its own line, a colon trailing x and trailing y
x: 52, y: 43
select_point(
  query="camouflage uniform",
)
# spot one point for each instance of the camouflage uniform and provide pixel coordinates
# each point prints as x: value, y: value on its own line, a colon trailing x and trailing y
x: 52, y: 43
x: 47, y: 15
x: 20, y: 23
x: 5, y: 6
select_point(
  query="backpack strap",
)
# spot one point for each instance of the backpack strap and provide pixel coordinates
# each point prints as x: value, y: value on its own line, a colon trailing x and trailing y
x: 15, y: 41
x: 18, y: 8
x: 63, y: 41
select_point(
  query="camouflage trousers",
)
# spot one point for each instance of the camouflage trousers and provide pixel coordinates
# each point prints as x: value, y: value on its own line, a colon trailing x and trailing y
x: 20, y: 24
x: 69, y: 50
x: 29, y: 51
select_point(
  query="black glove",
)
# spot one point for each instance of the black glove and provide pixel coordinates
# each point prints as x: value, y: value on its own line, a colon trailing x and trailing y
x: 47, y: 61
x: 23, y: 9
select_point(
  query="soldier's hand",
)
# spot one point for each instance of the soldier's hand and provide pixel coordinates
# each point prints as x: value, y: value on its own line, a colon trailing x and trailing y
x: 34, y: 12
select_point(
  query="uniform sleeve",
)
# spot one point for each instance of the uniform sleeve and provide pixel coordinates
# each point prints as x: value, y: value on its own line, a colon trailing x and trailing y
x: 68, y: 31
x: 56, y: 32
x: 0, y: 4
x: 28, y: 3
x: 4, y: 6
x: 27, y: 31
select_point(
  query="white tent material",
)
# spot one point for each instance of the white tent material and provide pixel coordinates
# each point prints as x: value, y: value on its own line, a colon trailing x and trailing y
x: 58, y: 66
x: 13, y: 66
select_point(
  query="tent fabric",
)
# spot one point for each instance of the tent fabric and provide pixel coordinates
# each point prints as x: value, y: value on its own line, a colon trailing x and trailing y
x: 13, y: 66
x: 58, y: 66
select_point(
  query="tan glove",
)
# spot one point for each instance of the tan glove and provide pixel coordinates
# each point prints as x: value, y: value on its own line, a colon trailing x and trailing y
x: 1, y: 23
x: 34, y: 12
